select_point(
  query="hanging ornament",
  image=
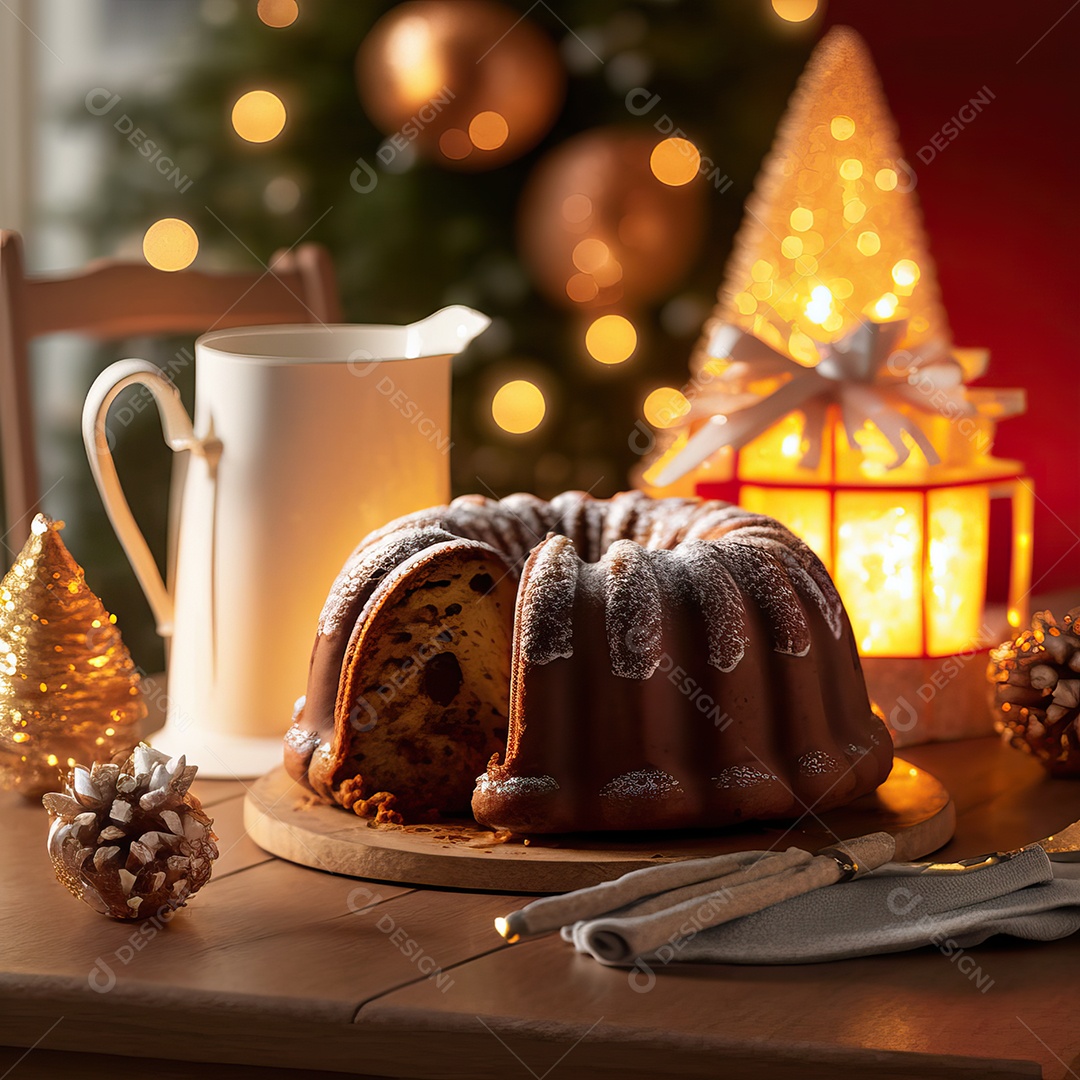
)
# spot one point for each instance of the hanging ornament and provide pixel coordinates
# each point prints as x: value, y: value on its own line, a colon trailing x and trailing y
x: 68, y: 688
x: 599, y: 227
x: 470, y: 84
x: 131, y: 841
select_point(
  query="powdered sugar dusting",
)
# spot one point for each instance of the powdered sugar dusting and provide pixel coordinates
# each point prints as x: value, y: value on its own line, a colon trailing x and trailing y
x: 546, y: 601
x: 818, y: 763
x: 633, y: 618
x: 567, y: 511
x: 806, y: 571
x: 715, y: 522
x: 619, y: 519
x: 469, y: 516
x: 367, y: 566
x: 517, y: 785
x: 766, y: 583
x: 742, y: 776
x: 668, y: 527
x: 642, y: 784
x: 720, y: 602
x: 531, y: 515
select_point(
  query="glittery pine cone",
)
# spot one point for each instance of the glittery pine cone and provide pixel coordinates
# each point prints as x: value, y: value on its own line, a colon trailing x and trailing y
x: 1036, y: 681
x: 131, y: 841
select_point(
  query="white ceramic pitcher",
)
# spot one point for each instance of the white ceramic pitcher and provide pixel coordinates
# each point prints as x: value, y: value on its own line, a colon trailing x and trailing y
x: 308, y: 438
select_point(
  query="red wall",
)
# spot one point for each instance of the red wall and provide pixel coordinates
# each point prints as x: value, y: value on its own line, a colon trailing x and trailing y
x: 1000, y: 207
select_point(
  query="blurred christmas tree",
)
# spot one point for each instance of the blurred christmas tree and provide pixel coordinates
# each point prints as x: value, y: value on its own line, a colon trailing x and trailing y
x: 612, y: 225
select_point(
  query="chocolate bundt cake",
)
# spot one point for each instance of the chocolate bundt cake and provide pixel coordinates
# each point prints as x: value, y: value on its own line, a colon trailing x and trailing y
x: 632, y: 663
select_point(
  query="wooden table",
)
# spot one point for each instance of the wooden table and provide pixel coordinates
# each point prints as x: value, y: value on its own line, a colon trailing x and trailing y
x: 274, y: 968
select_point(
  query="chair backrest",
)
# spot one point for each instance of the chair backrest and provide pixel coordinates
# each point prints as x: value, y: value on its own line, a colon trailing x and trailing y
x: 111, y: 299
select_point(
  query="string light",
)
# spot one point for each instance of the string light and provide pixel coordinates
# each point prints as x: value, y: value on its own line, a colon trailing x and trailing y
x: 170, y: 244
x: 611, y: 339
x: 518, y: 406
x: 258, y: 116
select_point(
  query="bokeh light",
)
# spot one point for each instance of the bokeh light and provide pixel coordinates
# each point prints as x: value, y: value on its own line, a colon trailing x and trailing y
x: 886, y: 179
x: 842, y: 128
x: 581, y: 288
x: 801, y: 219
x: 885, y: 308
x: 455, y: 144
x: 611, y: 339
x: 665, y: 406
x: 675, y: 162
x: 258, y: 116
x: 795, y: 11
x: 518, y: 406
x: 590, y: 254
x: 488, y: 130
x: 170, y: 244
x: 577, y: 209
x: 868, y: 243
x: 906, y: 272
x: 278, y: 13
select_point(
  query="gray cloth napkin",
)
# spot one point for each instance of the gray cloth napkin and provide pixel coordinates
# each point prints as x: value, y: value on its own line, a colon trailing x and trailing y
x: 1026, y: 896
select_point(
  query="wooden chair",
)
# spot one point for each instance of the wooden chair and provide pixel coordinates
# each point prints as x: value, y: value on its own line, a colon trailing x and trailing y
x: 111, y: 299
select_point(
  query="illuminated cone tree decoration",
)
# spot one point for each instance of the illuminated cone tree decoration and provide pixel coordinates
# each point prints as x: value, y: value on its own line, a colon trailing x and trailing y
x: 68, y: 688
x: 832, y: 232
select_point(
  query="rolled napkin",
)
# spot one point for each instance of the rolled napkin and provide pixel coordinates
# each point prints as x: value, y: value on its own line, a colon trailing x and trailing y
x: 1026, y: 896
x: 647, y: 906
x: 793, y: 907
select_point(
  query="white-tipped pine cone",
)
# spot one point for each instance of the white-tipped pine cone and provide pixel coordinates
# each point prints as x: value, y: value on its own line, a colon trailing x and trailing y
x: 130, y: 840
x: 1036, y: 681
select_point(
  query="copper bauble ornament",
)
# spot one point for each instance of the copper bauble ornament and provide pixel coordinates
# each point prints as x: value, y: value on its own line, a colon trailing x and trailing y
x: 597, y: 227
x: 470, y: 84
x: 68, y: 688
x: 131, y: 840
x: 1036, y: 679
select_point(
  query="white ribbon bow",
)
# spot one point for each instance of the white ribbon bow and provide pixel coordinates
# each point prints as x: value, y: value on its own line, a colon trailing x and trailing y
x: 864, y: 373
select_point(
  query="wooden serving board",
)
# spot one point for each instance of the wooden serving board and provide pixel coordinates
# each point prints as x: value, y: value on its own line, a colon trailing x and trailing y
x: 281, y: 817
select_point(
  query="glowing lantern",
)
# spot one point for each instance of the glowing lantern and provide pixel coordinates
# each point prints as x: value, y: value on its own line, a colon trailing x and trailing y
x: 825, y: 390
x: 907, y: 548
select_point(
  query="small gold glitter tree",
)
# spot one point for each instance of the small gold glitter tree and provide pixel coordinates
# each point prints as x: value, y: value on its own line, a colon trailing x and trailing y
x: 69, y: 690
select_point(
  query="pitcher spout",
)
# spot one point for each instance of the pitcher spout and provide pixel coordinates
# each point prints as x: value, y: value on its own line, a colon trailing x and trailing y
x: 447, y: 332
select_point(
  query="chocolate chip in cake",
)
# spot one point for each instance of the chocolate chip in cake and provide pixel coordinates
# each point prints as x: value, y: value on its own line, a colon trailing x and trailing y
x: 482, y: 583
x: 442, y: 678
x: 453, y: 609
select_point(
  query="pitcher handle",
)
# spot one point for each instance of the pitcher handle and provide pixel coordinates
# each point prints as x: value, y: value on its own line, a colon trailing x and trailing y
x: 179, y: 435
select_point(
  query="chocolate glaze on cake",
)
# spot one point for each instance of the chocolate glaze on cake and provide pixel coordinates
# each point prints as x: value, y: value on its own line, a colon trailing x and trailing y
x: 668, y: 663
